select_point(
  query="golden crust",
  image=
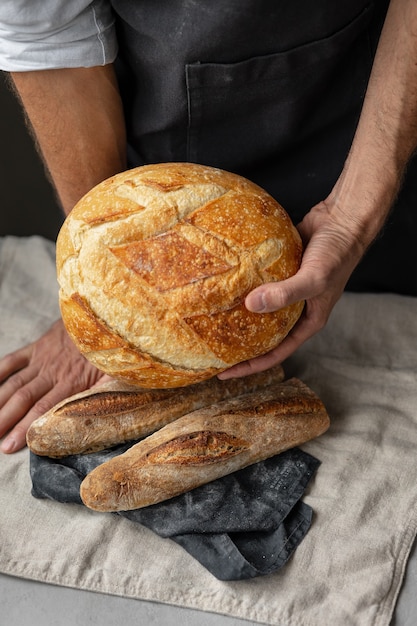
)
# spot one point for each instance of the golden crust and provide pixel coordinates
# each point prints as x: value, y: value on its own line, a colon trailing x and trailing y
x: 154, y: 265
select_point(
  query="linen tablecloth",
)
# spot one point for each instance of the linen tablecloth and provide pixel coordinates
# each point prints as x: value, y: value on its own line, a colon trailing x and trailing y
x: 348, y: 569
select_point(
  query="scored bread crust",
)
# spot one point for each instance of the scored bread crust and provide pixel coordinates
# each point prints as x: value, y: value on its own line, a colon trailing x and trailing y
x: 116, y: 412
x: 205, y: 445
x: 154, y: 265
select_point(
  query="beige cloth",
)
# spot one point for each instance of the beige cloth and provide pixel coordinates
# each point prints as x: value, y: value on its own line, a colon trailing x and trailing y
x: 348, y: 569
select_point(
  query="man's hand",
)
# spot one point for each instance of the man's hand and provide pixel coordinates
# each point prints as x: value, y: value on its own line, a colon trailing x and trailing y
x: 37, y: 377
x: 332, y: 250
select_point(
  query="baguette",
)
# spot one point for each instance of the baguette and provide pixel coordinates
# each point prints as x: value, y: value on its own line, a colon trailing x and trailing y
x: 117, y: 412
x: 205, y: 445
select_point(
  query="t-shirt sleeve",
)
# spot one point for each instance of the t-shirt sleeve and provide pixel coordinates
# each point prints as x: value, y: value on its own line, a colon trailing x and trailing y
x: 51, y: 34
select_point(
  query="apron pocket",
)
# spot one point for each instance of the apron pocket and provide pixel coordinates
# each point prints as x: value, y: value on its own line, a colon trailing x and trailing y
x: 245, y: 112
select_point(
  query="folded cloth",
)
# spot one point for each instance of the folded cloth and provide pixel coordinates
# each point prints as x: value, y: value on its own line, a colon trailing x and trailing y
x: 240, y: 526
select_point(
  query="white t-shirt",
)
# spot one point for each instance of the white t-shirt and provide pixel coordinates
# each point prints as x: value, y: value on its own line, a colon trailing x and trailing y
x: 50, y: 34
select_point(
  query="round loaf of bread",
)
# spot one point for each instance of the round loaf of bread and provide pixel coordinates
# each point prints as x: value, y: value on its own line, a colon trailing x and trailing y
x: 154, y: 265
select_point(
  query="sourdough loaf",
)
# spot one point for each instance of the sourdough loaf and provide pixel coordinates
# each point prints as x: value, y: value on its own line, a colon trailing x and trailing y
x: 154, y: 265
x: 205, y: 445
x: 117, y: 412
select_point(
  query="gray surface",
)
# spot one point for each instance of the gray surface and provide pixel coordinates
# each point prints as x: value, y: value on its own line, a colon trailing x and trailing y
x: 28, y: 603
x: 406, y: 609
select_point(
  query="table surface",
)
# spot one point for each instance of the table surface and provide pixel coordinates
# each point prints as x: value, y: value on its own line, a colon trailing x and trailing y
x: 30, y: 603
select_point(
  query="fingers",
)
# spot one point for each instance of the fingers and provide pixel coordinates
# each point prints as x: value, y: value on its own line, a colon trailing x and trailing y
x: 312, y: 320
x: 36, y: 378
x: 11, y: 363
x: 16, y: 440
x: 273, y: 296
x: 22, y: 402
x: 14, y: 384
x: 314, y: 278
x: 27, y: 404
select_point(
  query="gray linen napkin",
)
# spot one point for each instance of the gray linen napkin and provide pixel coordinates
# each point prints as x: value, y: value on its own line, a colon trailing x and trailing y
x: 240, y: 526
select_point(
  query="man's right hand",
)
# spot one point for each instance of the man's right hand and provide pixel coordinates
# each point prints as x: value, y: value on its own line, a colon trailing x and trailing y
x: 37, y: 377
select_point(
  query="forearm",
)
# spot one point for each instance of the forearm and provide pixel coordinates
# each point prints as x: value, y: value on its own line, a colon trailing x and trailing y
x: 387, y: 131
x: 77, y: 120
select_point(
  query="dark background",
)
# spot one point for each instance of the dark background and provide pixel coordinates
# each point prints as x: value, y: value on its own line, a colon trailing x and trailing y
x: 27, y: 200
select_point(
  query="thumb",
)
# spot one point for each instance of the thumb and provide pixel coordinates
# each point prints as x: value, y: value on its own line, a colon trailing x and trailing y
x: 274, y: 296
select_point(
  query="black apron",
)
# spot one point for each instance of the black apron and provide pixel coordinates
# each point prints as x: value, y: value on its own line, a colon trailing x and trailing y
x: 271, y: 90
